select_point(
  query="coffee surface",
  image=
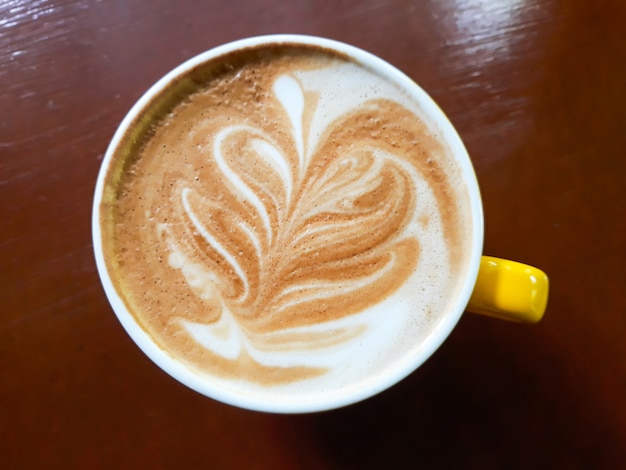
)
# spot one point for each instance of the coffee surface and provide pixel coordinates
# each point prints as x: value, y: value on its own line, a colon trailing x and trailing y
x: 294, y: 219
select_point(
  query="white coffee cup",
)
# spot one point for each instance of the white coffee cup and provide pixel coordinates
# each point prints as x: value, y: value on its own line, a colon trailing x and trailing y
x: 347, y: 393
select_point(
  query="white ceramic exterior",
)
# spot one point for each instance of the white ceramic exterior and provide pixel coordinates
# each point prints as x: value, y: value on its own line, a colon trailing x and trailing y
x: 345, y: 395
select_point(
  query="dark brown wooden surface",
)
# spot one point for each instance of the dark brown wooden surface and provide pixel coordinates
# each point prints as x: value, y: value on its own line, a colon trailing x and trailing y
x: 536, y: 88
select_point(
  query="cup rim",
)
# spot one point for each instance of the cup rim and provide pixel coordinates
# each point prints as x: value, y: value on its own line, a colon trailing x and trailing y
x: 180, y: 371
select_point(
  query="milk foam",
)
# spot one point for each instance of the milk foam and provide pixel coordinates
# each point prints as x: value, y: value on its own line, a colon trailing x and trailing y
x: 279, y: 200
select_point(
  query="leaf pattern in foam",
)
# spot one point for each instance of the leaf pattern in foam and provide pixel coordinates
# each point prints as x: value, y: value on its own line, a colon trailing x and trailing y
x: 318, y: 236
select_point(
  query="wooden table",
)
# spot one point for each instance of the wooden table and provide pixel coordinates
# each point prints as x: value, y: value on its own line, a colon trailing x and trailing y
x: 536, y: 88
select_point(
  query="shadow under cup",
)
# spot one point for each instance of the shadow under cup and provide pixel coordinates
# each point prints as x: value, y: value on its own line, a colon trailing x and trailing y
x: 289, y: 368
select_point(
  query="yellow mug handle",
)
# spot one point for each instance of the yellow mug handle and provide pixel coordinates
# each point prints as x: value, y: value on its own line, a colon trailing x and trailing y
x: 509, y: 290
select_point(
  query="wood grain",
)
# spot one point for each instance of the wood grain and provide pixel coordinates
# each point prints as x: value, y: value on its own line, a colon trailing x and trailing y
x: 536, y: 90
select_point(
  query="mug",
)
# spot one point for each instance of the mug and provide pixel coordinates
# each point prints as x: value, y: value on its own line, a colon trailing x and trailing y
x: 491, y: 286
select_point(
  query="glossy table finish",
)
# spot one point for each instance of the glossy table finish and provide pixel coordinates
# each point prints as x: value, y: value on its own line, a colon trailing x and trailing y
x: 536, y: 88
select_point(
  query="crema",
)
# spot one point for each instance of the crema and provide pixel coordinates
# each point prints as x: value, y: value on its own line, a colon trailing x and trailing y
x: 287, y: 219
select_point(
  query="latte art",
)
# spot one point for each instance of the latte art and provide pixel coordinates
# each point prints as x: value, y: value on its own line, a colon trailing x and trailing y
x: 314, y: 239
x: 289, y: 211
